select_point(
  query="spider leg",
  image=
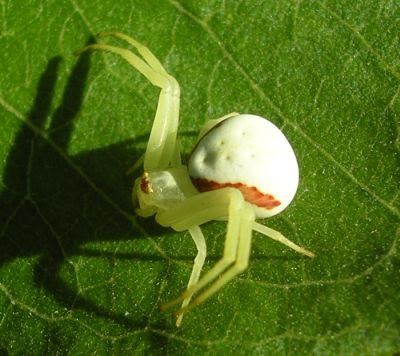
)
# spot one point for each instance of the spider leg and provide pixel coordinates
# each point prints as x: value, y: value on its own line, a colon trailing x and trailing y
x: 199, y: 209
x: 161, y: 149
x: 276, y: 235
x: 240, y: 264
x: 147, y: 55
x: 219, y: 204
x: 200, y: 242
x: 137, y: 165
x: 211, y: 123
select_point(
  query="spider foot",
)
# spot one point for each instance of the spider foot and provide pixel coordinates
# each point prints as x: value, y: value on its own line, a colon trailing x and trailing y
x: 170, y: 304
x: 186, y: 305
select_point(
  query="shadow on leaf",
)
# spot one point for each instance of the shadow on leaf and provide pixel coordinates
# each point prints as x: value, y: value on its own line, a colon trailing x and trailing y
x: 50, y: 211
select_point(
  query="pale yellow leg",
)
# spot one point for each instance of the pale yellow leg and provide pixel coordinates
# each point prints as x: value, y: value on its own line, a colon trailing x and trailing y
x: 199, y: 209
x: 149, y: 57
x: 232, y: 201
x: 138, y: 164
x: 276, y: 235
x: 156, y: 78
x: 211, y: 123
x: 161, y: 147
x: 241, y: 261
x: 200, y: 242
x: 222, y: 203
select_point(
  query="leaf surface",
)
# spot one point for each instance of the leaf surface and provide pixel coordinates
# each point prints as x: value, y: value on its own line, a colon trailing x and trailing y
x: 78, y: 276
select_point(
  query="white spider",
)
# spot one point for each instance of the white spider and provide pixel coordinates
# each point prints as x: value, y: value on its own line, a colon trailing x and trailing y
x: 242, y: 164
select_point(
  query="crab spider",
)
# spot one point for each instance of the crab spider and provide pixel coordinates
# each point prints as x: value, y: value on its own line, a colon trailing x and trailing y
x: 242, y: 168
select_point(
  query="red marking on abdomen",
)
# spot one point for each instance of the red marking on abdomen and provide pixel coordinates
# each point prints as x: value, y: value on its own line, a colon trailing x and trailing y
x: 251, y: 194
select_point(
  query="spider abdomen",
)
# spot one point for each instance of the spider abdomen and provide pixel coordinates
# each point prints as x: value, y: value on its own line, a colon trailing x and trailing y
x: 251, y: 154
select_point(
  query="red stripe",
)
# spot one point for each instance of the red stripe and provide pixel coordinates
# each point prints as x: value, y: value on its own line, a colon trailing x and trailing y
x: 251, y: 194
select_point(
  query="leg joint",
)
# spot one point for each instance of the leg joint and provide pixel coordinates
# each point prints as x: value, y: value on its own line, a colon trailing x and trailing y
x: 240, y: 266
x: 229, y: 259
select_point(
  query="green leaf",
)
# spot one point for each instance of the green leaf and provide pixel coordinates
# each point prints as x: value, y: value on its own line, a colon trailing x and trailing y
x: 76, y: 276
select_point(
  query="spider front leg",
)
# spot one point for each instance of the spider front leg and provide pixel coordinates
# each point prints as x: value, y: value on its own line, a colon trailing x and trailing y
x: 232, y: 263
x: 213, y: 205
x: 196, y: 210
x: 162, y: 148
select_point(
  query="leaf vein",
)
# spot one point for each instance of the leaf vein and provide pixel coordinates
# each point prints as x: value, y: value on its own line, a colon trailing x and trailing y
x: 278, y: 111
x: 83, y: 17
x: 384, y: 65
x: 349, y: 280
x: 24, y: 306
x: 84, y: 176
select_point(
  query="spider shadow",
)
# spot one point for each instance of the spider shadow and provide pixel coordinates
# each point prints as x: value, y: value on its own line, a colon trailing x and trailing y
x: 51, y: 205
